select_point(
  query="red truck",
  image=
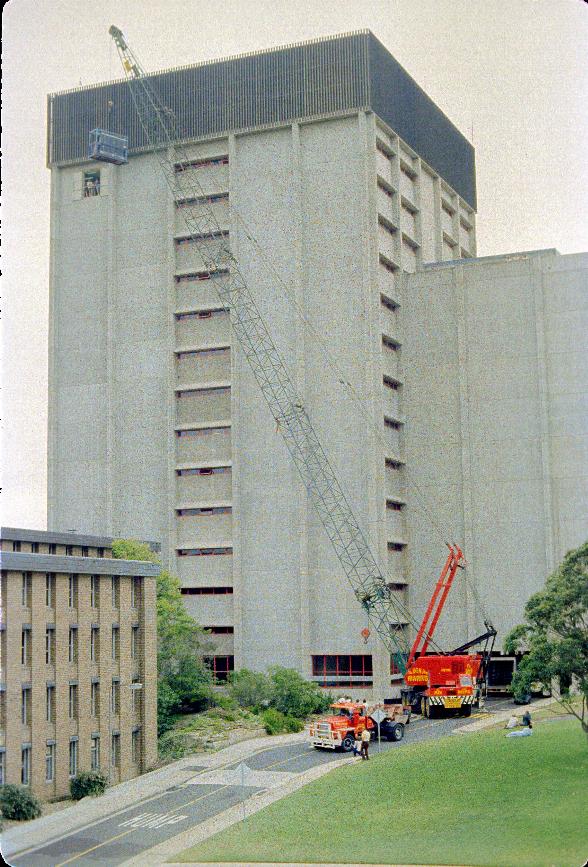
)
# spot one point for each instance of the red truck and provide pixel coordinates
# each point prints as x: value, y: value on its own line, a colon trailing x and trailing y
x: 350, y: 718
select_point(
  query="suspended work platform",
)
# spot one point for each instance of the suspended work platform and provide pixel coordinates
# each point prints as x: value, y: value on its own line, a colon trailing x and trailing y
x: 108, y: 147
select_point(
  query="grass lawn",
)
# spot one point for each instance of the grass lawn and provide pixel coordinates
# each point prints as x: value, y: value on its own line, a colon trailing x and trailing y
x: 478, y: 799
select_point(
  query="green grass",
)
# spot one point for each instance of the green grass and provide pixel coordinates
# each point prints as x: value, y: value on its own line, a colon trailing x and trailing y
x: 478, y: 799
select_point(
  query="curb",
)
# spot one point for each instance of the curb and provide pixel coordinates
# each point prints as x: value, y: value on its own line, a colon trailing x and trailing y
x: 117, y: 799
x: 158, y: 855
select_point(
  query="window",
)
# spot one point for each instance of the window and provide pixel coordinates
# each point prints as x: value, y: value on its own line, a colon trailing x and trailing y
x: 16, y: 546
x: 2, y: 707
x: 201, y: 314
x: 91, y: 184
x: 73, y: 701
x: 220, y: 666
x: 115, y: 750
x: 115, y: 591
x: 94, y: 591
x: 94, y: 637
x: 50, y: 703
x: 52, y: 548
x: 216, y: 510
x: 134, y: 642
x: 25, y: 766
x: 391, y: 383
x: 49, y: 589
x: 69, y: 550
x: 136, y: 746
x: 394, y: 668
x: 34, y: 547
x: 352, y: 670
x: 50, y: 762
x: 95, y: 699
x: 203, y: 431
x: 203, y: 552
x: 73, y: 757
x: 203, y: 471
x: 393, y: 464
x: 213, y: 389
x: 95, y: 753
x: 136, y: 689
x: 396, y: 546
x: 26, y: 589
x: 201, y: 163
x: 25, y: 706
x: 2, y: 766
x: 25, y: 646
x: 135, y: 592
x: 392, y: 423
x: 100, y: 552
x: 115, y: 642
x: 388, y: 343
x: 115, y: 697
x: 73, y: 591
x: 84, y: 551
x: 50, y: 645
x: 72, y: 651
x: 389, y: 304
x: 200, y: 275
x: 220, y: 630
x: 394, y: 505
x: 205, y: 591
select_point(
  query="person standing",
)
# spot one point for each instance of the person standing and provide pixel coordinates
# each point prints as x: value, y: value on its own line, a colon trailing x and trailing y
x: 365, y: 743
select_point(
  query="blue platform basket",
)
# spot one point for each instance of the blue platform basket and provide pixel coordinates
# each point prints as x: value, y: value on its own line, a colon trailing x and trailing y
x: 108, y: 147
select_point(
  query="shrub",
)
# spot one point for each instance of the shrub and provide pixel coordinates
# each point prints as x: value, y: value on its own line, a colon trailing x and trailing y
x: 18, y: 802
x: 277, y: 723
x: 250, y: 688
x: 175, y: 745
x: 223, y: 702
x: 295, y: 696
x: 167, y: 707
x: 88, y: 783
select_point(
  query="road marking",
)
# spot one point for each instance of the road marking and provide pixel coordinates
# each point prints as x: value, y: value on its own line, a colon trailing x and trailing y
x: 116, y: 813
x: 152, y: 820
x: 130, y: 830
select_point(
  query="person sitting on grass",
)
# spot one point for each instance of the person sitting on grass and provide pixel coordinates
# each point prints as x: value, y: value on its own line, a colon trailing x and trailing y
x: 513, y: 722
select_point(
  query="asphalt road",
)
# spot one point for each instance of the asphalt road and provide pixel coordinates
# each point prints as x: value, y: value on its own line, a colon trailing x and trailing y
x: 127, y: 833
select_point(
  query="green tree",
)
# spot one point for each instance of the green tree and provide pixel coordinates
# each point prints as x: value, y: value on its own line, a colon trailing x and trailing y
x: 555, y: 633
x: 295, y: 696
x: 184, y: 680
x: 250, y: 688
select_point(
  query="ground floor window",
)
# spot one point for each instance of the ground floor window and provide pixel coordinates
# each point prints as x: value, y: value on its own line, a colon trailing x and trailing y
x: 73, y: 758
x: 95, y: 753
x: 343, y: 670
x: 50, y: 763
x: 136, y: 746
x: 220, y: 666
x: 25, y: 766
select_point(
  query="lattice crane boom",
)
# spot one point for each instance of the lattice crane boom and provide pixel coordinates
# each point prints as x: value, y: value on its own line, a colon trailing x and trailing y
x: 386, y: 614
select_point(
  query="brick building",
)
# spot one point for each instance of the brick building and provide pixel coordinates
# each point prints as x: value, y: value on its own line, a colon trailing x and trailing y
x: 78, y: 667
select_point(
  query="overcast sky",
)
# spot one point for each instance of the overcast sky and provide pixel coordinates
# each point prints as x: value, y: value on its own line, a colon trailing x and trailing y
x: 510, y: 74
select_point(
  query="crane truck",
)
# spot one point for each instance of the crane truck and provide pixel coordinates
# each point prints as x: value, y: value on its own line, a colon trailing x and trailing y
x: 158, y: 134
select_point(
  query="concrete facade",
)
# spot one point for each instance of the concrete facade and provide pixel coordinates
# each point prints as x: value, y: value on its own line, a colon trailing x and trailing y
x: 496, y: 360
x: 157, y: 429
x: 78, y: 681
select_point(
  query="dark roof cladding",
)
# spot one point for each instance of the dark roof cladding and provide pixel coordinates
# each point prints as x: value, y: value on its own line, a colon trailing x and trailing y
x: 319, y: 78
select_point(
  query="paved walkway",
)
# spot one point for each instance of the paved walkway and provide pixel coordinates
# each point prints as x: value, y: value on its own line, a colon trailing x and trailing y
x: 137, y: 790
x: 494, y: 717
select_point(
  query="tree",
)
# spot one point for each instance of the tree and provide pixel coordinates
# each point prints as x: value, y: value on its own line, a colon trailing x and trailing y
x: 295, y: 696
x: 184, y: 680
x: 555, y: 633
x: 250, y: 688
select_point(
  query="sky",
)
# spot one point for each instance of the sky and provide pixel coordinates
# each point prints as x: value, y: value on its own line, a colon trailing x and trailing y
x: 510, y: 74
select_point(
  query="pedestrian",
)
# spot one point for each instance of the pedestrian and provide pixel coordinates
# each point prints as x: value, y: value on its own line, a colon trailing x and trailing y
x: 512, y: 723
x: 357, y: 745
x: 365, y: 743
x: 527, y: 719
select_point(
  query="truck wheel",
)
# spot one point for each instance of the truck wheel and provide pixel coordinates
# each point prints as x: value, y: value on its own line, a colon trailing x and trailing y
x: 396, y: 732
x: 426, y: 708
x: 347, y: 743
x: 466, y: 710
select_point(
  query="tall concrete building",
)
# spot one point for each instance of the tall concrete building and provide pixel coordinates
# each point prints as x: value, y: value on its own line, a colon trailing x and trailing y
x: 334, y: 175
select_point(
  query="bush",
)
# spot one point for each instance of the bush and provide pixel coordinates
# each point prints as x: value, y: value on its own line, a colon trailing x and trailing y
x: 295, y: 696
x: 175, y: 745
x: 277, y: 723
x: 167, y: 707
x: 88, y: 783
x: 250, y: 688
x: 223, y: 702
x: 18, y: 802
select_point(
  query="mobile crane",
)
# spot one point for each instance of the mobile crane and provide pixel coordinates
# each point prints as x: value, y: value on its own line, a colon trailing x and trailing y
x: 387, y: 614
